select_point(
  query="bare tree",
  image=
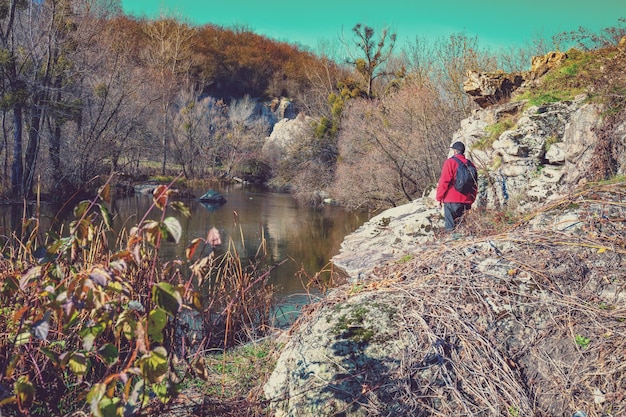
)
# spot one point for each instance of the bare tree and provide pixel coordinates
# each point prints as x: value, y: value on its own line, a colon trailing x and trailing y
x: 456, y: 55
x: 323, y: 80
x: 41, y: 41
x: 169, y: 53
x: 198, y: 127
x: 13, y: 87
x: 421, y: 59
x: 587, y: 39
x: 116, y: 101
x: 391, y: 150
x: 244, y: 140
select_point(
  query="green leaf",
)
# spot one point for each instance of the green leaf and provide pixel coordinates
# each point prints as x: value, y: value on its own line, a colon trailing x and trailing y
x: 108, y: 406
x: 154, y: 365
x: 90, y: 333
x: 52, y: 355
x: 157, y: 319
x: 78, y: 364
x: 181, y: 208
x: 22, y: 338
x: 12, y: 365
x: 165, y: 296
x: 127, y: 323
x: 88, y: 340
x: 94, y: 396
x: 106, y: 216
x: 25, y: 393
x: 174, y: 229
x: 152, y: 232
x: 116, y: 287
x: 582, y: 341
x: 161, y: 390
x: 81, y: 209
x: 61, y: 245
x: 109, y: 353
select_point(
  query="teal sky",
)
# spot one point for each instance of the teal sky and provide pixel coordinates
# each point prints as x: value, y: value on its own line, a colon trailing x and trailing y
x: 494, y: 22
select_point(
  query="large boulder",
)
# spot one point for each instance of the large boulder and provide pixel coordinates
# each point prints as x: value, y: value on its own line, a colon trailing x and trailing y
x: 541, y: 64
x: 487, y: 89
x: 283, y: 108
x: 286, y: 133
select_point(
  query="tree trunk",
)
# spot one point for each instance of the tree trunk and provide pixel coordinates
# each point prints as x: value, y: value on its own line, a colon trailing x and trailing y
x: 17, y: 167
x: 5, y: 161
x: 32, y: 150
x: 55, y: 139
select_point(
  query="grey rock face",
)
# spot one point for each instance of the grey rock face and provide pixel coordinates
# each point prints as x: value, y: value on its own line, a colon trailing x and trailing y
x: 284, y: 134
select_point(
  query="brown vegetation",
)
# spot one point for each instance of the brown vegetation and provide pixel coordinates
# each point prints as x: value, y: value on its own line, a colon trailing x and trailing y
x: 93, y: 321
x: 570, y: 356
x: 390, y: 149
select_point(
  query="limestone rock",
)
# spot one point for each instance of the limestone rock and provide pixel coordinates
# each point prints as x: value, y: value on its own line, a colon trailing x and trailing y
x: 389, y: 236
x: 285, y: 133
x: 490, y: 88
x: 556, y: 154
x: 521, y: 153
x: 540, y: 65
x: 579, y: 140
x: 283, y: 109
x: 354, y: 337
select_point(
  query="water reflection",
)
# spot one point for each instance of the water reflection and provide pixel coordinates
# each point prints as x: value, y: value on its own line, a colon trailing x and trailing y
x: 305, y: 237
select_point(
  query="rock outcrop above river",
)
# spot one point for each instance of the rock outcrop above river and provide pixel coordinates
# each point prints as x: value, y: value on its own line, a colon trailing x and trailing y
x: 487, y: 89
x: 542, y: 157
x: 527, y: 322
x: 284, y: 134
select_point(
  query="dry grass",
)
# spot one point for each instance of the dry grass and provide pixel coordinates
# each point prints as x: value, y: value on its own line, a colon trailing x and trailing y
x: 225, y: 383
x: 525, y: 322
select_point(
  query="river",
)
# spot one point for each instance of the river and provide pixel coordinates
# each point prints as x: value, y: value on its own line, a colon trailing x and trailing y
x: 303, y: 237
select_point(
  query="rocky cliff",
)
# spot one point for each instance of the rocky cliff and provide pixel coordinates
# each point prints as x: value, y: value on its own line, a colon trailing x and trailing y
x: 530, y: 321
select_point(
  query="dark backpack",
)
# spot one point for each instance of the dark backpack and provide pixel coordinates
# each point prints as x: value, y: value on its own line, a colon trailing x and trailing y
x: 466, y: 180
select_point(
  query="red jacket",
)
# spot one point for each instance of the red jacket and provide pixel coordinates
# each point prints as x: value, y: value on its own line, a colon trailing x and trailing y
x: 446, y: 193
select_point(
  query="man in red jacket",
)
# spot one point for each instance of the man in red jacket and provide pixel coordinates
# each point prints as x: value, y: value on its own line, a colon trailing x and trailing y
x: 455, y: 203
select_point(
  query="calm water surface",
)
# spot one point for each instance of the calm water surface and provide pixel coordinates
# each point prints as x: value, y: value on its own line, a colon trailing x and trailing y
x: 304, y: 237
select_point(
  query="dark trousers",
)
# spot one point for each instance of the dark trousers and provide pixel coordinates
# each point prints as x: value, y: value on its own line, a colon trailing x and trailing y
x: 452, y: 212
